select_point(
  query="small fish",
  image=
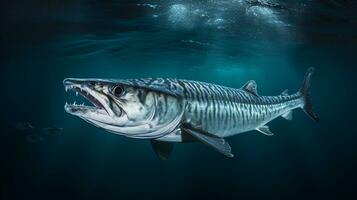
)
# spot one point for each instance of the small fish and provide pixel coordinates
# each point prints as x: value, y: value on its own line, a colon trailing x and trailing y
x: 24, y: 126
x: 52, y: 129
x: 166, y: 110
x: 35, y: 139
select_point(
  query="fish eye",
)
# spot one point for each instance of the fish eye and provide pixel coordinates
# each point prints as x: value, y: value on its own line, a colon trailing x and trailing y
x: 118, y: 90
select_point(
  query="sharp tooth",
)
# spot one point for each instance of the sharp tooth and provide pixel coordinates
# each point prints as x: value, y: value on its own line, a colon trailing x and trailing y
x: 74, y: 103
x: 76, y: 93
x: 82, y: 104
x: 66, y: 104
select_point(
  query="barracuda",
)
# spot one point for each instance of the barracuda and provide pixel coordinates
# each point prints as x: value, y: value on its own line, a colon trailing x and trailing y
x: 166, y: 110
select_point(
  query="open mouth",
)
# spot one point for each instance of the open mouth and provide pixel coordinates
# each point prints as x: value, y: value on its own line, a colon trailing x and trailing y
x: 74, y: 107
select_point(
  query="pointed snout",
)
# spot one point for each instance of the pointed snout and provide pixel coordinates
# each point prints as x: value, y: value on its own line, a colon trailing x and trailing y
x: 87, y: 81
x: 80, y: 83
x: 70, y: 83
x: 74, y: 81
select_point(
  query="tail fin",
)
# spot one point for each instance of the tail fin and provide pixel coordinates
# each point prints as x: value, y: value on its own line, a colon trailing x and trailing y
x: 305, y: 92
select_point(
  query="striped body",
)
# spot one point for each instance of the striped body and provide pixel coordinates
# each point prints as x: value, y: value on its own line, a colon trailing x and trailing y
x: 224, y: 111
x: 215, y: 109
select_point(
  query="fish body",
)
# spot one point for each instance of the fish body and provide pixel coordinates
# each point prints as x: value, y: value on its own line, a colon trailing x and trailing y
x: 168, y: 110
x: 225, y: 111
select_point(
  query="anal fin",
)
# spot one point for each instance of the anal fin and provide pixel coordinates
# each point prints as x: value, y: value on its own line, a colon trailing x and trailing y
x: 265, y: 130
x: 288, y: 115
x: 217, y: 143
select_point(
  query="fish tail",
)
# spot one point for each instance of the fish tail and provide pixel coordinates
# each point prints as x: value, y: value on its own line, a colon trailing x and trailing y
x: 305, y: 93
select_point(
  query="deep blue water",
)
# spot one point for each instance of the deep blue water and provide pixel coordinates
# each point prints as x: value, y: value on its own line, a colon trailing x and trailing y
x: 226, y: 42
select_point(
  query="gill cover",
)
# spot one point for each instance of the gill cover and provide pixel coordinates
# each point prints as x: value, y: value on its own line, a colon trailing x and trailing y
x: 151, y: 108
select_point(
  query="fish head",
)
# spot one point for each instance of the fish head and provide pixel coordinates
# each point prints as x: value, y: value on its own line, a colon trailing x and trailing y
x: 124, y: 108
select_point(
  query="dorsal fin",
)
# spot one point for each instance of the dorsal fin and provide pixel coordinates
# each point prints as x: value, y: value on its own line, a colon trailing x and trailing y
x: 251, y: 87
x: 285, y: 93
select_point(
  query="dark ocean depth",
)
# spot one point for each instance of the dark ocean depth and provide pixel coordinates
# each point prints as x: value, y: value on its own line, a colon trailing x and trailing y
x: 46, y: 153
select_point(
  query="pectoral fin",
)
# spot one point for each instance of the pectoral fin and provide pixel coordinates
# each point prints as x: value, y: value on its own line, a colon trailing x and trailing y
x: 265, y: 130
x: 162, y: 149
x: 217, y: 143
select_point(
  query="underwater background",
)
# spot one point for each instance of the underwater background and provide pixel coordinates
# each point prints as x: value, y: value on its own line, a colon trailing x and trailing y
x: 49, y: 154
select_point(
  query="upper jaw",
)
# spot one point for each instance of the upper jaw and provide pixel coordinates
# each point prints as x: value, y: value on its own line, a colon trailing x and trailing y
x: 82, y: 87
